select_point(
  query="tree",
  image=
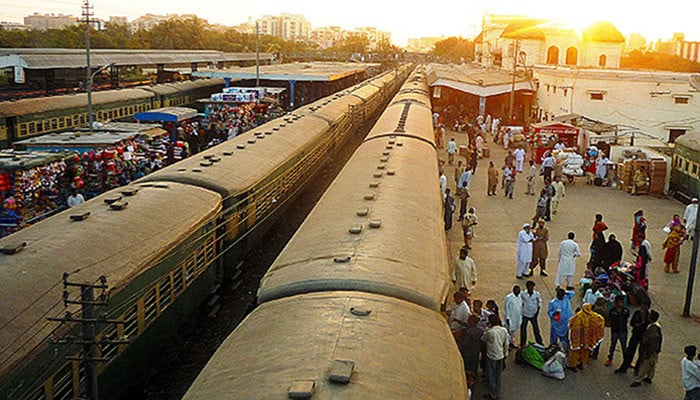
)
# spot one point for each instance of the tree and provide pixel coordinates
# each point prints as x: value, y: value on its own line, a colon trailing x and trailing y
x: 638, y: 59
x: 454, y: 49
x: 354, y: 44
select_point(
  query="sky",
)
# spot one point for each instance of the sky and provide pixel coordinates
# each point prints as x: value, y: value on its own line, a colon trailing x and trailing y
x: 404, y: 19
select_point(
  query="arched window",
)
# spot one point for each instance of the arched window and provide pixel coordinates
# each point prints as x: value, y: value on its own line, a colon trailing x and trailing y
x: 571, y: 56
x: 553, y: 55
x: 602, y: 60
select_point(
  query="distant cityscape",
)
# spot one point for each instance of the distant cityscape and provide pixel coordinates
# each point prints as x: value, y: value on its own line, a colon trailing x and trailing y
x: 296, y: 27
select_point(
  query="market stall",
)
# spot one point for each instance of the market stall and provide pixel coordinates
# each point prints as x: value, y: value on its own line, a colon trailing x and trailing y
x: 31, y: 182
x: 547, y: 134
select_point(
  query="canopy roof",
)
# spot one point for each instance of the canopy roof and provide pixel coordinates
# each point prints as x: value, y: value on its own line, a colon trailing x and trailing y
x: 167, y: 114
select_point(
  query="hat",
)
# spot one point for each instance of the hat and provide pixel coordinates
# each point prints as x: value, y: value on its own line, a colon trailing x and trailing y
x: 526, y: 225
x: 694, y: 200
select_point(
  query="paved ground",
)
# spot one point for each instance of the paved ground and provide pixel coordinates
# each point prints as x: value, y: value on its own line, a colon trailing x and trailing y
x: 494, y: 249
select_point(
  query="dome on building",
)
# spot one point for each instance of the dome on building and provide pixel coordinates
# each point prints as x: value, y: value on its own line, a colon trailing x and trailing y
x: 524, y: 29
x: 603, y: 32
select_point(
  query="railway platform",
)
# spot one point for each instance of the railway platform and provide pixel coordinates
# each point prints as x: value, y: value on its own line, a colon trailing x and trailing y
x: 494, y: 249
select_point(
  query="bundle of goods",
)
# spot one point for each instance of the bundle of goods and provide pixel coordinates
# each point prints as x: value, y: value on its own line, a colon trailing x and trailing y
x: 572, y: 163
x: 550, y: 360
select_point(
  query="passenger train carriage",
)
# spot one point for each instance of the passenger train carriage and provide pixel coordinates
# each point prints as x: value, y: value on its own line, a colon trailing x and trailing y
x: 159, y: 245
x: 685, y: 175
x: 350, y: 308
x: 23, y: 119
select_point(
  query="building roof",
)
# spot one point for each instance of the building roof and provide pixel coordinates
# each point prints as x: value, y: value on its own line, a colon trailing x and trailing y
x: 475, y: 80
x: 167, y: 114
x: 315, y: 71
x: 690, y: 140
x: 524, y: 29
x: 603, y: 31
x: 75, y: 58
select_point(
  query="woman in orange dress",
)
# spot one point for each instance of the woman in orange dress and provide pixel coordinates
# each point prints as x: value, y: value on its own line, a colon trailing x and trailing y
x: 672, y: 244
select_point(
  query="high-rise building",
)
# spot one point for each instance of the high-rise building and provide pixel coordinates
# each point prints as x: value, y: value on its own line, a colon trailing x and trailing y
x: 328, y: 36
x: 285, y: 26
x: 424, y: 44
x: 11, y: 25
x: 635, y: 41
x: 118, y: 20
x: 373, y: 35
x: 43, y: 22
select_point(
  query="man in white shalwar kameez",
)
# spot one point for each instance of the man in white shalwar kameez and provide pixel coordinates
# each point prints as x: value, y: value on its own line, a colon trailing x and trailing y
x: 524, y: 252
x: 513, y: 311
x: 689, y: 216
x: 519, y: 154
x: 568, y: 251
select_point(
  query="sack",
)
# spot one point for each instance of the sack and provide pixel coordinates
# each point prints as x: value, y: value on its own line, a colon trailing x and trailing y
x: 554, y: 367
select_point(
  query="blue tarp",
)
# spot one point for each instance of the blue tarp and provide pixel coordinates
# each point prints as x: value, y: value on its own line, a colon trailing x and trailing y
x: 167, y: 114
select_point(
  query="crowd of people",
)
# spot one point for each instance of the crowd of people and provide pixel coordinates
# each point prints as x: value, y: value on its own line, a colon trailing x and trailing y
x: 609, y: 287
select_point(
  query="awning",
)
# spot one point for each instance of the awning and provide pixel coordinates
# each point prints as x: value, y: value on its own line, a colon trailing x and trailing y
x: 482, y: 91
x: 167, y: 114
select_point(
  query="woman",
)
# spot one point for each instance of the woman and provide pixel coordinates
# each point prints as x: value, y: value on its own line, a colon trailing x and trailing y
x: 672, y: 244
x: 639, y: 229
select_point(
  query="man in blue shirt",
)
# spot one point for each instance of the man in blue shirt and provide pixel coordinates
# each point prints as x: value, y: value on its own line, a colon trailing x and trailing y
x: 559, y: 313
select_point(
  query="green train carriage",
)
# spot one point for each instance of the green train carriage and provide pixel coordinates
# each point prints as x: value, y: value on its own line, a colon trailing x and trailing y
x: 685, y: 172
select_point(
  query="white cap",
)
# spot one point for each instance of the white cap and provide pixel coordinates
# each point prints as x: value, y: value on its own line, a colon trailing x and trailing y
x: 694, y: 200
x: 526, y: 225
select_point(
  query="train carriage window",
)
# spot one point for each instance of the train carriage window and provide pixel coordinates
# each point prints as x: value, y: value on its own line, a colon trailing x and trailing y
x: 54, y: 123
x: 23, y: 129
x: 150, y: 306
x: 165, y: 294
x: 189, y: 269
x: 61, y: 123
x: 76, y: 119
x: 686, y: 166
x: 131, y: 321
x: 695, y: 169
x: 177, y: 281
x: 63, y: 382
x: 32, y: 127
x: 131, y: 109
x: 121, y: 111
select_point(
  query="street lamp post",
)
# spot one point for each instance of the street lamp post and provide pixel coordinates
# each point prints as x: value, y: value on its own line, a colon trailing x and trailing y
x: 91, y: 117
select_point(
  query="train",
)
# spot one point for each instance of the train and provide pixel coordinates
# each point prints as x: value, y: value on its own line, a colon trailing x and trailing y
x: 350, y: 309
x: 25, y: 118
x: 685, y: 172
x: 132, y: 264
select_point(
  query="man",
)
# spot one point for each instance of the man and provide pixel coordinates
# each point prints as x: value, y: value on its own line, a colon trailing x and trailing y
x: 532, y: 302
x: 559, y: 312
x: 469, y: 224
x: 540, y: 250
x: 541, y: 207
x: 479, y: 143
x: 586, y: 331
x: 549, y: 192
x: 531, y: 174
x: 559, y: 193
x: 75, y: 198
x: 509, y: 180
x: 470, y: 346
x: 463, y: 195
x: 496, y: 340
x: 513, y: 312
x: 547, y: 165
x: 465, y: 179
x: 457, y: 318
x: 568, y: 251
x: 690, y: 372
x: 443, y: 183
x: 459, y: 170
x: 519, y: 154
x: 689, y: 216
x: 611, y: 252
x: 639, y: 229
x: 640, y: 321
x: 449, y: 209
x: 451, y: 150
x: 618, y: 317
x: 650, y: 348
x: 492, y: 179
x: 601, y: 166
x: 524, y: 251
x: 464, y: 270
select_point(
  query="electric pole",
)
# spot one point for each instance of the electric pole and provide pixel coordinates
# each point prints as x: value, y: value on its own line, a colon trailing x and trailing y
x: 516, y: 50
x: 87, y: 13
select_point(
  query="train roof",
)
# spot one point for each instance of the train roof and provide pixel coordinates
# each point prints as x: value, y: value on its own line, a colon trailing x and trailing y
x: 405, y: 257
x: 53, y: 103
x: 690, y: 140
x: 405, y: 118
x: 177, y: 87
x: 116, y: 244
x: 238, y: 164
x: 399, y: 351
x: 16, y: 160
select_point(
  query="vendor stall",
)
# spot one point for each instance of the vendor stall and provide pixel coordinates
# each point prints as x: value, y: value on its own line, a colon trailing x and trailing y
x: 548, y: 134
x: 31, y: 182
